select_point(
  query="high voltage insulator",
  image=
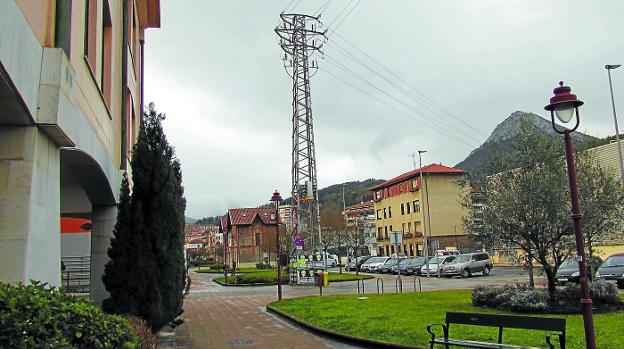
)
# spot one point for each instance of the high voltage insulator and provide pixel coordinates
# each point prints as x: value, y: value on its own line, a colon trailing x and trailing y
x: 300, y: 38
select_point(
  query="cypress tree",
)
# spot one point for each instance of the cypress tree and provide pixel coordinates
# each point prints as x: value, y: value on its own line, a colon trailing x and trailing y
x: 156, y: 275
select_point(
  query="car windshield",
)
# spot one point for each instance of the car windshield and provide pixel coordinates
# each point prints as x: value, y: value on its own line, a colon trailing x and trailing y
x: 569, y: 264
x: 614, y: 261
x: 373, y: 260
x: 462, y: 258
x: 419, y: 260
x: 391, y: 261
x: 436, y: 260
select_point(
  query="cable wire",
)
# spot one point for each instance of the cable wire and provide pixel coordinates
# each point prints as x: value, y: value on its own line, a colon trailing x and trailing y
x: 345, y: 17
x: 340, y: 14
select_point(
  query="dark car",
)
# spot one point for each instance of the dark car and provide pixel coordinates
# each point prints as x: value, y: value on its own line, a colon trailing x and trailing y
x: 568, y: 272
x: 620, y: 282
x: 410, y: 266
x: 387, y: 267
x: 612, y: 268
x: 356, y: 263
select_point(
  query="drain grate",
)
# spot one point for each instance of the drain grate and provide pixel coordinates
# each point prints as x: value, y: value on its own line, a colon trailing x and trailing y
x: 239, y: 342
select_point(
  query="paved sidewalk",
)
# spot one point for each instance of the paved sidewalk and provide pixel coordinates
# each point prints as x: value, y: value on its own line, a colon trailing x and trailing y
x: 219, y: 317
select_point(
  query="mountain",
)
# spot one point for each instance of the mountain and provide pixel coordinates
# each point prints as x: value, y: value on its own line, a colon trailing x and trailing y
x: 502, y: 139
x: 354, y: 193
x: 189, y: 220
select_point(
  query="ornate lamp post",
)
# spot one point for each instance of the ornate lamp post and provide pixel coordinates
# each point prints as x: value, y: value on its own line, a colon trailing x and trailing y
x: 564, y: 105
x: 277, y: 198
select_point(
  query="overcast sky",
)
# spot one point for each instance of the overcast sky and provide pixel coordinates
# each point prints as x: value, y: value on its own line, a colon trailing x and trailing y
x: 214, y: 68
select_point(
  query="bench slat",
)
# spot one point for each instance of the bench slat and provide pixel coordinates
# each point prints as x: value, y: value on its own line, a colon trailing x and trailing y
x: 507, y: 321
x: 475, y: 344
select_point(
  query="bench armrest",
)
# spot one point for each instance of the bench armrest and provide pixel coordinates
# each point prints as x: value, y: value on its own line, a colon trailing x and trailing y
x: 444, y: 329
x: 561, y: 340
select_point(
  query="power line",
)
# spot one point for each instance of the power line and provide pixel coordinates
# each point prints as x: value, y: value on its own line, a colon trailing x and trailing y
x: 420, y: 118
x: 340, y: 14
x: 322, y: 8
x: 349, y: 55
x: 345, y: 17
x: 430, y: 101
x: 431, y: 122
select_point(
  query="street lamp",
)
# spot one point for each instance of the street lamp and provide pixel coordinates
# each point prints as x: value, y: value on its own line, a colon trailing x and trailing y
x: 564, y: 105
x: 424, y: 207
x: 277, y: 198
x: 610, y: 67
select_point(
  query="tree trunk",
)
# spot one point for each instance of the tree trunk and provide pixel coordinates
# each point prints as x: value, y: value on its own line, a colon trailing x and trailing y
x: 550, y: 276
x: 339, y: 264
x: 530, y: 266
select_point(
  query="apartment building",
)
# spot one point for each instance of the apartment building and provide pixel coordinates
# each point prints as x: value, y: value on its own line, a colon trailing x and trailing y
x: 403, y: 204
x: 71, y: 96
x: 361, y: 217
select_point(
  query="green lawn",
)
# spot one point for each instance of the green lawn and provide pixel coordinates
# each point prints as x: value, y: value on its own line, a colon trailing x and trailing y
x: 403, y: 318
x: 269, y: 276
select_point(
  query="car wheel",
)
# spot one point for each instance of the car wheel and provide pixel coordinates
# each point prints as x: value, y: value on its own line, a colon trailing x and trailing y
x: 486, y: 271
x: 465, y: 273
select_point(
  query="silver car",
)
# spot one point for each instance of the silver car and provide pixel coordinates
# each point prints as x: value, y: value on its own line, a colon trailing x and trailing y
x: 467, y: 264
x: 434, y: 263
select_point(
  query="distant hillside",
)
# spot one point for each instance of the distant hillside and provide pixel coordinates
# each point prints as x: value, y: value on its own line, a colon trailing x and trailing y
x: 502, y: 138
x: 189, y: 220
x: 355, y: 192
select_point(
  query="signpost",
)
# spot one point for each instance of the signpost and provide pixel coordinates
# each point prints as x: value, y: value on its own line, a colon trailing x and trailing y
x: 396, y: 238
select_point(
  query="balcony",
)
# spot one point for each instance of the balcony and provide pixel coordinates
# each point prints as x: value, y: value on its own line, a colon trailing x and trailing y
x: 408, y: 235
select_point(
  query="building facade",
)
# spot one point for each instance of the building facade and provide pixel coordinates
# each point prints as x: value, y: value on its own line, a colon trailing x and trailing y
x: 403, y: 203
x: 251, y: 234
x: 71, y: 77
x: 361, y: 218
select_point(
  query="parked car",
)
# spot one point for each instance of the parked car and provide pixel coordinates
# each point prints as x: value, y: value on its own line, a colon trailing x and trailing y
x: 436, y: 262
x: 612, y: 268
x: 387, y: 267
x: 569, y: 272
x: 413, y: 268
x: 620, y: 281
x: 366, y: 265
x: 377, y: 263
x: 465, y: 265
x: 357, y: 263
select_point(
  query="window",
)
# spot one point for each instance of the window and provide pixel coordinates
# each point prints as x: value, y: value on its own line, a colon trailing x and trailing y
x: 403, y: 227
x: 379, y: 214
x: 408, y: 208
x: 409, y: 226
x: 386, y: 232
x: 392, y: 249
x: 90, y: 32
x: 381, y: 251
x: 258, y: 239
x: 402, y: 209
x: 62, y: 36
x: 389, y: 212
x: 416, y: 204
x: 379, y: 232
x: 107, y: 57
x: 378, y: 194
x: 387, y: 250
x: 391, y: 227
x: 385, y: 214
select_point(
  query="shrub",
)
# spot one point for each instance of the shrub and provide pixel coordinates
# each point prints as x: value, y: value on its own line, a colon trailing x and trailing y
x: 38, y: 315
x: 146, y: 338
x: 602, y: 293
x: 517, y: 297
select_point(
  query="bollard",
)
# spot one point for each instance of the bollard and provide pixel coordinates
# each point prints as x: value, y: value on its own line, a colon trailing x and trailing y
x: 419, y: 284
x: 382, y: 285
x: 398, y: 285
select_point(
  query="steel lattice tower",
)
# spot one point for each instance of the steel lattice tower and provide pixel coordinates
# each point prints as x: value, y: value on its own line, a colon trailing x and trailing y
x: 300, y: 39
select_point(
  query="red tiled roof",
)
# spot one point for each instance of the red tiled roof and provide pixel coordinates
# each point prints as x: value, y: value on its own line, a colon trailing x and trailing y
x: 361, y: 205
x: 429, y: 169
x: 246, y: 216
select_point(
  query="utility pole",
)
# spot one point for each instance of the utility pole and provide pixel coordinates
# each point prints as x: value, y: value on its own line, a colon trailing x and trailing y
x: 300, y: 37
x: 423, y: 206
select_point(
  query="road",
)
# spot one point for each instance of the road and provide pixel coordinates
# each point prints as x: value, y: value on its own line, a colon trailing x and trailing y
x: 235, y: 317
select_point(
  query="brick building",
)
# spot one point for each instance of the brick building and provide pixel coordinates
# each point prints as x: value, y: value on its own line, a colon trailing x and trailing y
x: 250, y: 234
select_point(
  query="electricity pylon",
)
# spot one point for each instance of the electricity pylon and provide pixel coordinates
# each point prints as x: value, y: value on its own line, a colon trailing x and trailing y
x: 300, y: 37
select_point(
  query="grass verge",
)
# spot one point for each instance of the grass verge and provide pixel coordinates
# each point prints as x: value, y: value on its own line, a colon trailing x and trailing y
x: 251, y: 276
x: 403, y: 318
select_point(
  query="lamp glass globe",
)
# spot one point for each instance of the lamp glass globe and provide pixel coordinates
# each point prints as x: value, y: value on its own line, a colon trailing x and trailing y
x: 564, y: 112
